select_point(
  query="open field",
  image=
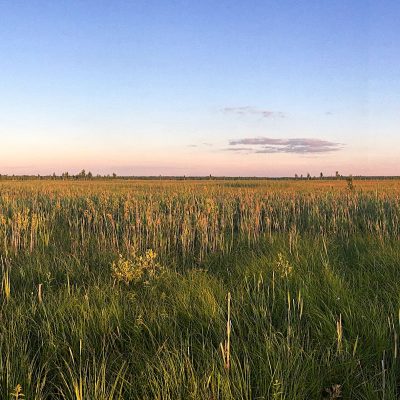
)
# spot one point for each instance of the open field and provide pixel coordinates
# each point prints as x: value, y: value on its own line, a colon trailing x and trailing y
x: 311, y: 269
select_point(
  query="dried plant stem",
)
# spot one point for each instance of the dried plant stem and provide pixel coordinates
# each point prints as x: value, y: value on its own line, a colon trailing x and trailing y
x: 226, y: 348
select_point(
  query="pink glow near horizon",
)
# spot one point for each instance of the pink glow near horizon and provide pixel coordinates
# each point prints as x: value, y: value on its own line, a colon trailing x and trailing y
x: 189, y: 162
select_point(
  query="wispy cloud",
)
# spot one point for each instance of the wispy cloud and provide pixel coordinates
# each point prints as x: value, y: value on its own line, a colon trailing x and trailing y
x: 248, y: 110
x: 240, y: 149
x: 206, y: 144
x: 272, y: 145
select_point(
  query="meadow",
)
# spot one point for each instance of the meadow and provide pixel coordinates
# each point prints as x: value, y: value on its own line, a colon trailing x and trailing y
x: 124, y: 289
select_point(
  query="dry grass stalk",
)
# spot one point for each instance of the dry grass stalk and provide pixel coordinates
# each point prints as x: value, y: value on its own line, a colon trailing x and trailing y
x: 226, y: 347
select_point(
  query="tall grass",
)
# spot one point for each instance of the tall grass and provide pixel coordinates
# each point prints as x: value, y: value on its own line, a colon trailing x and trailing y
x: 268, y: 291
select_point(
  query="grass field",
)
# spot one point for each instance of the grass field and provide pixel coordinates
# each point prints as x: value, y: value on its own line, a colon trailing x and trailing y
x: 199, y: 290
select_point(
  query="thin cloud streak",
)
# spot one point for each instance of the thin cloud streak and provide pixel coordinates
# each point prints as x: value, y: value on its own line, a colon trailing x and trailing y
x: 239, y: 149
x: 248, y: 110
x: 296, y: 145
x: 206, y: 144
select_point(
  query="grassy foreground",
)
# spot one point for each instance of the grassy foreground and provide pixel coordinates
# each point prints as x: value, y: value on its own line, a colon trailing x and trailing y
x: 312, y: 270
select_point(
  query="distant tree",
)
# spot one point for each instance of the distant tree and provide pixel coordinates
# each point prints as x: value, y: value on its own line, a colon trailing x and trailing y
x: 308, y: 176
x: 89, y: 175
x: 114, y: 175
x: 82, y: 174
x: 321, y: 175
x: 296, y: 176
x: 337, y: 175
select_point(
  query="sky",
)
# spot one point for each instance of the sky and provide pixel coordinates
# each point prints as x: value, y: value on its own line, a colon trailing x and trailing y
x: 234, y: 88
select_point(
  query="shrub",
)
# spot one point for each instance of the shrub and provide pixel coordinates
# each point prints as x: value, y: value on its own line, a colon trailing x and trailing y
x: 137, y: 268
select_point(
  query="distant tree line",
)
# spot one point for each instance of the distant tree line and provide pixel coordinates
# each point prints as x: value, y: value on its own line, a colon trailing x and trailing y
x: 83, y: 175
x: 338, y: 176
x: 321, y: 176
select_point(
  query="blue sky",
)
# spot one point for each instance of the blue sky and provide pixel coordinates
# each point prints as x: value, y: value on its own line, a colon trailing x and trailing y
x: 224, y: 88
